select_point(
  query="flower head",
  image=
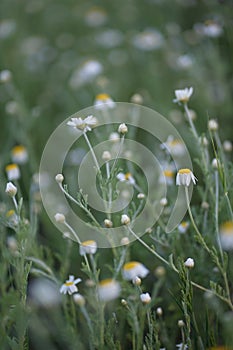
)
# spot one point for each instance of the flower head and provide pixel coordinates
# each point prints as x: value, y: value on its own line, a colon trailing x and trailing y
x: 183, y: 226
x: 123, y: 129
x: 60, y: 218
x: 13, y: 172
x: 70, y: 285
x: 128, y: 178
x: 103, y: 102
x: 184, y: 177
x: 85, y: 124
x: 134, y: 269
x: 145, y: 298
x: 19, y: 154
x: 226, y: 235
x: 108, y: 289
x: 174, y: 146
x: 183, y: 95
x: 88, y: 247
x: 11, y: 190
x: 189, y: 263
x: 125, y: 220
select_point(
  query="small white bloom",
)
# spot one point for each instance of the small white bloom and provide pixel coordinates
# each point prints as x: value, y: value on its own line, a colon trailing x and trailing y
x: 137, y: 281
x: 5, y: 76
x: 184, y: 177
x: 137, y: 98
x: 84, y: 74
x: 226, y: 235
x: 183, y: 95
x: 124, y: 241
x: 183, y: 226
x: 11, y: 189
x: 134, y: 269
x: 59, y: 178
x: 43, y: 292
x: 215, y: 163
x: 128, y: 178
x: 163, y: 202
x: 108, y: 223
x: 13, y: 172
x: 12, y: 218
x: 104, y: 102
x: 125, y: 220
x: 140, y: 196
x: 167, y: 177
x: 70, y: 285
x: 145, y: 298
x: 88, y: 247
x: 181, y: 323
x: 123, y: 129
x: 148, y: 40
x: 108, y: 289
x: 114, y: 137
x: 227, y: 146
x: 174, y: 146
x: 79, y: 299
x: 106, y: 156
x: 159, y: 311
x: 19, y: 154
x: 182, y: 346
x: 60, y: 218
x: 83, y: 124
x: 213, y: 125
x: 189, y: 263
x: 95, y: 17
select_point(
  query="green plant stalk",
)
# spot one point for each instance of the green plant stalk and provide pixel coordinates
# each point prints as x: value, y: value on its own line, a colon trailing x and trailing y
x: 191, y: 122
x: 92, y: 151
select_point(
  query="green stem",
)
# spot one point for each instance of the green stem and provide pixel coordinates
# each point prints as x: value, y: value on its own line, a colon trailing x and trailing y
x: 191, y: 122
x: 92, y: 151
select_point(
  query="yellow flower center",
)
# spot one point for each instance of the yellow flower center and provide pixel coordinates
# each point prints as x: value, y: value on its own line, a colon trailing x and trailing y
x: 184, y: 171
x: 68, y: 284
x: 11, y: 167
x: 102, y: 97
x: 128, y: 176
x: 130, y: 265
x: 18, y: 149
x: 10, y: 213
x: 175, y: 142
x: 168, y: 173
x: 227, y: 227
x: 105, y: 282
x: 89, y: 243
x: 184, y: 224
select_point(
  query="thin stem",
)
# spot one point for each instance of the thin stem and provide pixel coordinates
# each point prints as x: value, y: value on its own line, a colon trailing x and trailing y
x: 118, y: 154
x: 16, y: 205
x: 121, y: 262
x: 216, y: 212
x: 190, y: 121
x: 109, y: 191
x: 89, y: 324
x: 92, y: 151
x: 229, y: 205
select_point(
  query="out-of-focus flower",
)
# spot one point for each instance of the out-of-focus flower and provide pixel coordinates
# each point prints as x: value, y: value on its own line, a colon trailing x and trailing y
x: 167, y: 177
x: 70, y: 285
x: 43, y: 292
x: 88, y: 247
x: 86, y: 73
x: 7, y: 28
x: 226, y: 235
x: 103, y: 102
x: 182, y: 346
x: 123, y: 129
x: 163, y: 201
x: 109, y: 38
x: 79, y: 299
x: 60, y: 218
x: 108, y: 289
x: 12, y: 171
x: 183, y: 226
x: 95, y: 17
x: 59, y: 178
x: 148, y: 40
x: 19, y: 154
x: 174, y: 146
x: 128, y: 178
x: 227, y: 146
x: 213, y: 125
x: 183, y: 95
x: 85, y: 124
x: 184, y: 177
x: 125, y: 220
x: 114, y: 137
x: 134, y: 269
x: 108, y: 223
x: 210, y: 28
x: 11, y: 189
x: 189, y: 263
x: 12, y: 218
x: 5, y: 76
x: 184, y: 62
x: 145, y: 298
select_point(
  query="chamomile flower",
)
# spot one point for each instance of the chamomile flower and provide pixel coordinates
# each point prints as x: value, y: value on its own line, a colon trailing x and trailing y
x: 19, y: 154
x: 134, y: 269
x: 174, y: 146
x: 88, y: 247
x: 85, y: 124
x: 70, y: 285
x: 108, y: 289
x: 226, y: 235
x: 13, y: 172
x: 183, y: 226
x: 184, y: 177
x: 127, y: 177
x: 167, y: 177
x: 183, y: 95
x: 12, y: 218
x: 103, y: 102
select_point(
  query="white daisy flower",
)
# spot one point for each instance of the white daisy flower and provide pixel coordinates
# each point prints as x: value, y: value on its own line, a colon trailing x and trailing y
x: 183, y: 95
x: 226, y: 235
x: 184, y: 177
x: 183, y: 226
x: 167, y: 177
x: 174, y: 146
x: 13, y: 172
x: 134, y: 269
x: 19, y: 154
x: 70, y: 285
x: 88, y: 247
x: 83, y: 124
x: 103, y: 102
x: 128, y: 178
x: 108, y: 289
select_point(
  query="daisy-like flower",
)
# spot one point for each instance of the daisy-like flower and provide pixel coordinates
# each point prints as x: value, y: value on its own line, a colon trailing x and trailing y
x: 128, y: 178
x: 84, y: 74
x: 183, y: 226
x: 182, y: 346
x: 88, y: 247
x: 167, y: 177
x: 70, y: 285
x: 184, y: 177
x: 148, y: 40
x: 134, y: 269
x: 174, y: 146
x: 13, y: 172
x: 212, y: 29
x: 108, y: 289
x: 12, y: 218
x: 183, y: 95
x: 145, y: 298
x: 19, y: 154
x: 226, y: 235
x: 103, y: 102
x: 11, y: 190
x: 85, y: 124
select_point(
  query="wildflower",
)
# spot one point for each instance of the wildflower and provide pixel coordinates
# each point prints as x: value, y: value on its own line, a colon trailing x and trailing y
x: 137, y: 98
x: 226, y: 235
x: 134, y: 269
x: 60, y: 218
x: 140, y: 196
x: 114, y: 137
x: 108, y: 289
x: 124, y: 302
x: 160, y: 271
x: 212, y: 29
x: 13, y: 172
x: 166, y: 177
x: 163, y: 202
x: 215, y: 164
x: 85, y: 124
x: 182, y: 346
x: 70, y: 285
x: 5, y: 76
x: 145, y: 298
x: 125, y: 220
x: 189, y: 263
x: 12, y: 217
x: 183, y: 95
x: 88, y: 247
x: 103, y: 102
x: 11, y: 190
x: 184, y: 61
x: 148, y: 40
x: 128, y: 178
x: 79, y: 299
x: 213, y: 125
x: 181, y: 323
x: 109, y: 38
x: 12, y: 244
x: 159, y: 311
x: 227, y: 146
x: 19, y: 154
x: 95, y: 17
x: 183, y: 226
x: 124, y: 241
x: 123, y: 129
x: 86, y: 73
x: 137, y: 281
x: 59, y: 178
x: 174, y: 146
x: 106, y: 156
x: 184, y: 177
x: 108, y: 223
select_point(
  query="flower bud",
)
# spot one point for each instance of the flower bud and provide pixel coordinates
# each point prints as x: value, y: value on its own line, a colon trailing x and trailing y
x: 11, y: 189
x: 123, y: 129
x: 60, y: 218
x: 125, y: 220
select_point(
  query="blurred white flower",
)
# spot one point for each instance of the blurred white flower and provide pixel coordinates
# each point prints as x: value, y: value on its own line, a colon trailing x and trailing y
x: 189, y: 263
x: 86, y: 73
x: 7, y: 28
x: 114, y: 137
x: 128, y: 178
x: 184, y: 61
x: 70, y: 285
x: 226, y: 235
x: 134, y: 269
x: 145, y: 298
x: 12, y: 218
x: 210, y: 28
x: 183, y: 226
x: 43, y: 292
x: 182, y: 346
x: 123, y: 129
x: 5, y: 76
x: 213, y: 125
x: 184, y: 177
x: 108, y: 289
x: 79, y: 299
x: 109, y: 38
x: 60, y: 218
x: 183, y: 95
x: 166, y: 177
x: 88, y: 247
x: 125, y: 220
x: 95, y: 17
x: 83, y: 124
x: 174, y: 146
x: 19, y: 154
x: 103, y: 102
x: 12, y: 171
x: 227, y: 146
x: 148, y: 40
